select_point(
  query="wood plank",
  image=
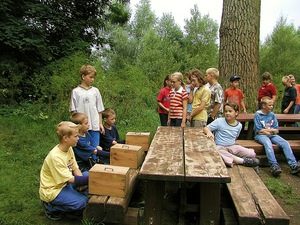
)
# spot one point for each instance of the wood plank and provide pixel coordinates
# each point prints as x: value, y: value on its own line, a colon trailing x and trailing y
x: 242, y: 199
x: 202, y: 161
x: 272, y: 213
x: 259, y: 148
x: 164, y: 160
x: 253, y: 201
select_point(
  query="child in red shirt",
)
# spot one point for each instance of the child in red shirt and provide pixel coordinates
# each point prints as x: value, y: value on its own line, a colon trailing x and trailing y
x: 267, y: 88
x: 235, y: 95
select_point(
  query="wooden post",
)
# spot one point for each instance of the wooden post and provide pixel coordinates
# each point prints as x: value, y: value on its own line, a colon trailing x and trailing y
x: 154, y: 200
x: 210, y: 199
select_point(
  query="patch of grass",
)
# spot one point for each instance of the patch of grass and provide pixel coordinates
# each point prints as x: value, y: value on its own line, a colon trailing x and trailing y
x: 283, y: 191
x: 25, y: 140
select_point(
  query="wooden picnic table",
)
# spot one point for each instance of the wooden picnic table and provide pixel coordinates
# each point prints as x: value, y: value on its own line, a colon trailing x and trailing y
x: 183, y: 156
x: 248, y: 118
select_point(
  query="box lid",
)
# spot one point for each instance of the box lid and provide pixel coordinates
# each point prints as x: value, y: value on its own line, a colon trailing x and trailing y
x: 138, y: 133
x: 110, y: 169
x: 126, y: 147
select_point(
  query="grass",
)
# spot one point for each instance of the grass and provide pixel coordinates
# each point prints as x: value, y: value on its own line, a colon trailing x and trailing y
x: 283, y: 191
x: 26, y: 136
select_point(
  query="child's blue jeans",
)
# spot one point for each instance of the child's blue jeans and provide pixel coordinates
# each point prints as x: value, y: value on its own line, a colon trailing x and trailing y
x: 267, y: 140
x: 68, y: 200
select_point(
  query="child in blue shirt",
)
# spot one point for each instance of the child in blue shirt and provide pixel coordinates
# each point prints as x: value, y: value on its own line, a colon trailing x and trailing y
x: 85, y: 151
x: 226, y: 131
x: 111, y: 136
x: 266, y: 133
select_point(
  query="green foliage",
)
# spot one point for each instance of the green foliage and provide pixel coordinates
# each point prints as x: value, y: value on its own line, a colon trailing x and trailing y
x: 280, y: 53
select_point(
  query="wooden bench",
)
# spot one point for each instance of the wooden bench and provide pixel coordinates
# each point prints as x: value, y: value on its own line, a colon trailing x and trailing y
x: 102, y: 208
x: 253, y: 202
x: 259, y: 148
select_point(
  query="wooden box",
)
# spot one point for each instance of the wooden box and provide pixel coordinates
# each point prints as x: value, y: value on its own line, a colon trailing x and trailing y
x: 138, y: 138
x: 126, y: 155
x: 109, y: 180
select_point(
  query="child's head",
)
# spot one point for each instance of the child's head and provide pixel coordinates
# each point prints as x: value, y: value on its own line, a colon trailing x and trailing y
x: 212, y: 74
x: 67, y: 132
x: 87, y: 74
x: 292, y: 79
x: 176, y: 80
x: 231, y: 111
x: 109, y: 116
x: 266, y: 104
x: 234, y: 81
x: 197, y: 78
x: 167, y: 82
x: 286, y: 81
x: 82, y: 120
x: 266, y: 77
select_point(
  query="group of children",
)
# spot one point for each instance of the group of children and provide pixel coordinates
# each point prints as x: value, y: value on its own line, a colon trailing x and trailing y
x: 83, y: 141
x: 200, y: 101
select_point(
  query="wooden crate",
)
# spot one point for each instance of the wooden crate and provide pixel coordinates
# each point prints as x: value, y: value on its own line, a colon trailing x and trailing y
x: 138, y: 138
x: 109, y: 180
x: 126, y: 155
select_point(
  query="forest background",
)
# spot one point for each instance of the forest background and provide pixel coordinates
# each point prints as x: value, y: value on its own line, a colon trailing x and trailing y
x: 44, y: 43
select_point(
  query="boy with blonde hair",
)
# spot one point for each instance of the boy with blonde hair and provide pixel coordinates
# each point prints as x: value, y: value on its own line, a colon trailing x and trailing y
x: 60, y: 176
x: 266, y: 133
x: 289, y: 96
x: 215, y: 109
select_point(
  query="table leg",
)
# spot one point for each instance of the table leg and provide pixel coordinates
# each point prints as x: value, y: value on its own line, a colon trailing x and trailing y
x: 153, y: 202
x: 210, y: 203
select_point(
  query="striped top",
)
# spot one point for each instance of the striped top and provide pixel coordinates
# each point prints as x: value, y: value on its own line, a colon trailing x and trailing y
x: 176, y: 102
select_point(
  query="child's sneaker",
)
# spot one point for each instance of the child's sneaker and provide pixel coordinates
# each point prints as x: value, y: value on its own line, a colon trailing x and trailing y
x: 275, y: 170
x: 251, y: 162
x: 295, y: 169
x: 55, y: 216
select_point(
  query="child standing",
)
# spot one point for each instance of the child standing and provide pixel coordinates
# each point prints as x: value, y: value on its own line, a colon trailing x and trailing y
x: 267, y: 88
x: 84, y: 150
x: 178, y: 101
x: 297, y: 87
x: 201, y: 99
x: 226, y: 131
x: 266, y: 130
x: 289, y: 96
x: 87, y: 99
x: 189, y: 89
x: 111, y: 135
x: 216, y: 101
x: 163, y: 100
x: 234, y: 94
x: 60, y: 176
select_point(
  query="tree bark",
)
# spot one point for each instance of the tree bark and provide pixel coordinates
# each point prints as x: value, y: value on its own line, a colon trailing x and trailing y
x: 239, y: 46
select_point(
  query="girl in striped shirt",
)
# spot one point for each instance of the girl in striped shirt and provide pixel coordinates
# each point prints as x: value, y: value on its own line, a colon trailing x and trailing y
x: 178, y: 101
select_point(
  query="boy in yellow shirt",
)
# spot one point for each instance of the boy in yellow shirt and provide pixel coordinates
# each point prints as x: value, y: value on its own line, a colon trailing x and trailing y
x: 60, y: 176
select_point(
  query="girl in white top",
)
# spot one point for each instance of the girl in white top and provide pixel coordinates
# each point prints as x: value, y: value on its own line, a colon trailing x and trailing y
x: 226, y: 130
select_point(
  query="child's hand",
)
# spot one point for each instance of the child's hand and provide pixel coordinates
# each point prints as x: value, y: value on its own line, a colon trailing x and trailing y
x: 114, y: 142
x: 99, y: 148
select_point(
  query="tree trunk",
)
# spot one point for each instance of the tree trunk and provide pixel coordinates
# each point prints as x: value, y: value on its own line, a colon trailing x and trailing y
x: 239, y: 46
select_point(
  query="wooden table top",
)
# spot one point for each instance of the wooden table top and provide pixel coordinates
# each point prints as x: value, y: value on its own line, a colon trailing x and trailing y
x: 177, y: 154
x: 246, y: 117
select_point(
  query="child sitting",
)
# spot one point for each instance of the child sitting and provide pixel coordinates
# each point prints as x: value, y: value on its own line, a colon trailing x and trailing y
x: 84, y: 150
x: 60, y: 176
x: 266, y: 130
x: 111, y: 136
x: 226, y: 131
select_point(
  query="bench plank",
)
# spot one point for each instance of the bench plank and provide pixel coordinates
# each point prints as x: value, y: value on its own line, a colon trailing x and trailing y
x: 259, y: 198
x: 103, y: 208
x: 259, y: 148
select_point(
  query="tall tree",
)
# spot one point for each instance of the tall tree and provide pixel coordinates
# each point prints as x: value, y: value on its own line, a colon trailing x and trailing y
x: 280, y: 52
x: 201, y: 40
x: 239, y: 44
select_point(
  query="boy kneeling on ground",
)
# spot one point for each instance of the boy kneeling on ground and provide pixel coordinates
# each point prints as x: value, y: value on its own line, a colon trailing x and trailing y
x: 60, y: 176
